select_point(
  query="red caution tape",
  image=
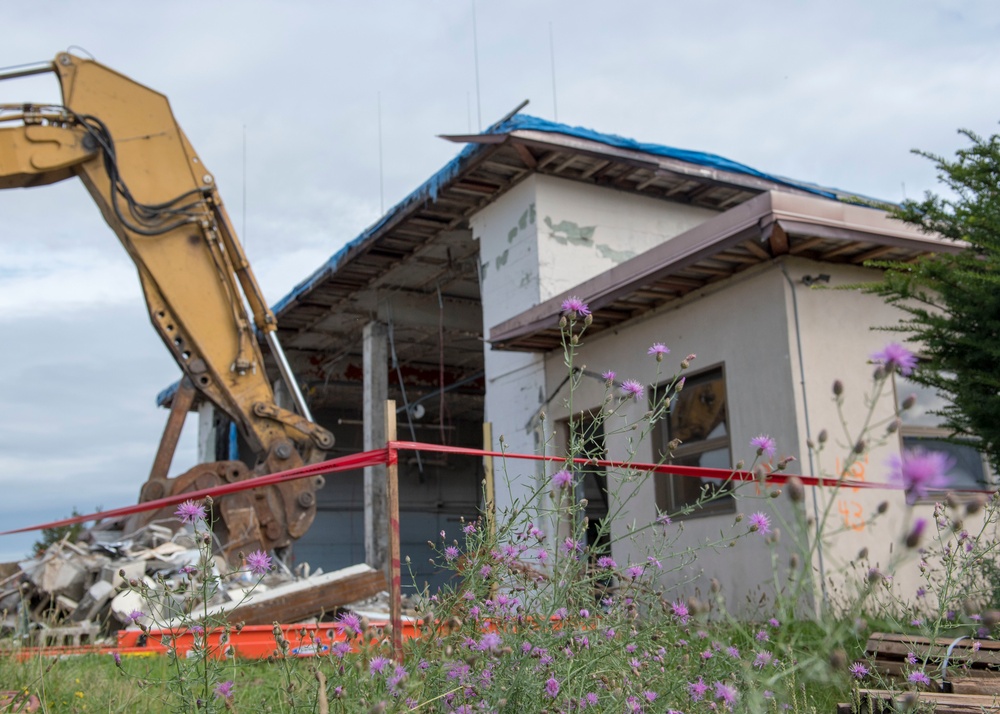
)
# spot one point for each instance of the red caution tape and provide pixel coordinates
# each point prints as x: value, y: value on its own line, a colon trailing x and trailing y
x: 344, y: 463
x: 692, y: 471
x: 389, y: 456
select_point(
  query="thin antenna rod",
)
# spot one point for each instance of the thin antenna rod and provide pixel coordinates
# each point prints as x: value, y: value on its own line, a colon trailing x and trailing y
x: 475, y: 51
x: 468, y: 106
x: 381, y: 175
x: 552, y: 60
x: 244, y: 231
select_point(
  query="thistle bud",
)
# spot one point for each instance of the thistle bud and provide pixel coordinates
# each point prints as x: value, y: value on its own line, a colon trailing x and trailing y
x: 588, y: 320
x: 783, y: 464
x: 793, y: 562
x: 574, y: 340
x: 894, y: 426
x: 680, y: 384
x: 913, y: 538
x: 908, y: 402
x: 674, y: 443
x: 563, y: 322
x: 859, y: 447
x: 760, y: 473
x: 822, y: 436
x: 796, y: 491
x: 862, y: 554
x: 838, y: 388
x: 775, y: 493
x: 882, y: 507
x: 879, y: 374
x: 975, y: 505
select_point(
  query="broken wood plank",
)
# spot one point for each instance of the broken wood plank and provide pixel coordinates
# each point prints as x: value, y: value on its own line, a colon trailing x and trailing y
x: 302, y: 599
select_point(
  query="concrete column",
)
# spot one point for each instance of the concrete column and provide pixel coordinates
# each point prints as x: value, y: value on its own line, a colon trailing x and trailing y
x: 376, y: 391
x: 208, y: 433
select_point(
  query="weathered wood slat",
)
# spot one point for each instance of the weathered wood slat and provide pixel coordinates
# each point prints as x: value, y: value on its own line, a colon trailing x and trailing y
x: 883, y: 700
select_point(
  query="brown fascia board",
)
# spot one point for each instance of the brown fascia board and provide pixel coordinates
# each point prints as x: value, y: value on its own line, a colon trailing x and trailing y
x: 754, y: 220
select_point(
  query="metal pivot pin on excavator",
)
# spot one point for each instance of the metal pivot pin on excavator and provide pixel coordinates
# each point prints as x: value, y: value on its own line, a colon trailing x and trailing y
x: 122, y: 140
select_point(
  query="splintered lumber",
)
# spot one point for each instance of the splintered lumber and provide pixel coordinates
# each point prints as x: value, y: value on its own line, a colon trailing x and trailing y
x: 309, y: 597
x: 883, y: 701
x: 302, y: 599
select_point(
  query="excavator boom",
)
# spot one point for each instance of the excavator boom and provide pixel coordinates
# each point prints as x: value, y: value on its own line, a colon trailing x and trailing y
x: 122, y: 140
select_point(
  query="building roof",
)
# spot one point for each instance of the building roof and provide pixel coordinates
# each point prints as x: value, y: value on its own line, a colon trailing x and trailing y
x: 417, y: 268
x: 769, y: 226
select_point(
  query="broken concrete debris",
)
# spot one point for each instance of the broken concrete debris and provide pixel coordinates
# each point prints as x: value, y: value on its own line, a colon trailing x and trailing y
x: 74, y: 593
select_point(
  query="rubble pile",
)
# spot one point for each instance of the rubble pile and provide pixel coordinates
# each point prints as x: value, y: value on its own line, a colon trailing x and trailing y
x: 72, y: 594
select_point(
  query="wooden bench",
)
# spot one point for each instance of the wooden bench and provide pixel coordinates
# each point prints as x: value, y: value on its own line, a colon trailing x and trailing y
x: 883, y: 701
x: 966, y: 677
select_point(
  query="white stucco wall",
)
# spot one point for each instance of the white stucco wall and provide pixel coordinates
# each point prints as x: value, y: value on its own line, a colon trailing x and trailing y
x: 537, y: 240
x: 743, y: 326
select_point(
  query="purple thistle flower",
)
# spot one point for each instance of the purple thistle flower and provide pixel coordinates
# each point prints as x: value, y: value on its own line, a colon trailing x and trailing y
x: 606, y: 561
x: 489, y: 642
x: 760, y: 523
x: 635, y: 571
x: 762, y: 636
x: 918, y: 678
x: 609, y: 376
x: 774, y: 622
x: 921, y: 471
x: 725, y: 693
x: 896, y: 357
x: 135, y: 616
x: 259, y: 562
x: 762, y: 659
x: 377, y: 665
x: 189, y: 512
x: 764, y: 445
x: 118, y: 659
x: 680, y: 611
x: 697, y: 690
x: 552, y: 687
x: 224, y: 689
x: 349, y: 623
x: 562, y: 478
x: 633, y: 389
x: 591, y: 699
x: 733, y: 652
x: 659, y: 349
x: 911, y: 658
x: 650, y: 695
x: 574, y: 306
x: 450, y: 553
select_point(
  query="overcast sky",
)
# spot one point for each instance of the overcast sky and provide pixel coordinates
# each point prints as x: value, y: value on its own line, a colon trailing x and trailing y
x: 831, y: 92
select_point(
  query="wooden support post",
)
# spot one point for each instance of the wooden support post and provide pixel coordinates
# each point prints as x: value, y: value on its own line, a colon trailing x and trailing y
x: 183, y: 399
x: 395, y: 575
x: 376, y: 389
x: 489, y: 484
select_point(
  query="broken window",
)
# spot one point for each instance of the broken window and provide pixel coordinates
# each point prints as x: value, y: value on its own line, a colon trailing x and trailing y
x: 699, y: 420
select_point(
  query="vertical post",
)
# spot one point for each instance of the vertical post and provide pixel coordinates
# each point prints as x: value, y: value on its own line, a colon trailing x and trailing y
x: 489, y: 485
x: 376, y: 390
x: 183, y: 399
x: 392, y: 493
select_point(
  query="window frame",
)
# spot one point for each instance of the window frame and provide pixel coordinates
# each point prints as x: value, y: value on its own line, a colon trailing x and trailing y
x: 665, y: 493
x: 936, y: 433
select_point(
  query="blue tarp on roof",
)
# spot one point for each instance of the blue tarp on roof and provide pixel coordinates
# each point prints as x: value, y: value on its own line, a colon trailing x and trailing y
x: 429, y: 190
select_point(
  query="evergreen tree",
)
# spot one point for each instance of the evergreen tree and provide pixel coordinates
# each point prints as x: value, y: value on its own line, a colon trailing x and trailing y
x: 952, y: 301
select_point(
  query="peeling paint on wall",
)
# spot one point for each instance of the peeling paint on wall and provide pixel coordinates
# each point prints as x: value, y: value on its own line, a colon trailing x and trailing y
x: 566, y: 232
x: 615, y: 256
x: 502, y: 258
x: 526, y: 279
x: 482, y: 270
x: 522, y: 223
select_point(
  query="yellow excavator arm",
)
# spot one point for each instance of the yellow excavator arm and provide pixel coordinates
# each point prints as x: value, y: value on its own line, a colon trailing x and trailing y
x: 122, y: 140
